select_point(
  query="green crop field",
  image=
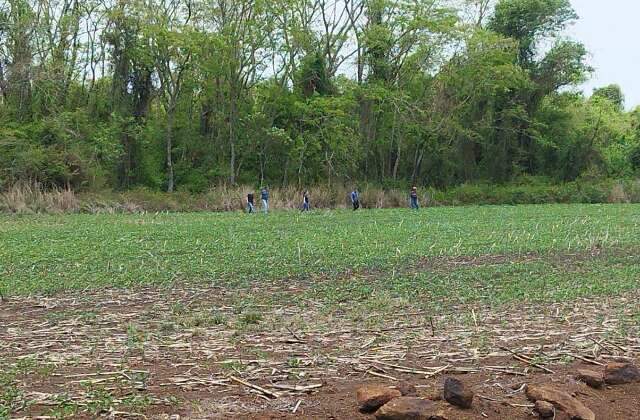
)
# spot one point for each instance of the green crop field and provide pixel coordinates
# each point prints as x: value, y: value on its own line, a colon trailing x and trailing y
x: 497, y: 253
x: 106, y: 311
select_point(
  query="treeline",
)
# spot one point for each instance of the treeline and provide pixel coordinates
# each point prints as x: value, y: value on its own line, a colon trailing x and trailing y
x: 188, y: 94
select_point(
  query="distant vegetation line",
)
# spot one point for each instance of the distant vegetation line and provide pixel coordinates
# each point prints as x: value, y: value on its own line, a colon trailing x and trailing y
x: 28, y: 198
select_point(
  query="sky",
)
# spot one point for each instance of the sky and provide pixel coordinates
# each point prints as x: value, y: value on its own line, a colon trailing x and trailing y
x: 610, y: 30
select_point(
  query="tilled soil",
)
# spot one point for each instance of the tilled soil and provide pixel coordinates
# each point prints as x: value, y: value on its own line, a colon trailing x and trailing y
x: 199, y: 353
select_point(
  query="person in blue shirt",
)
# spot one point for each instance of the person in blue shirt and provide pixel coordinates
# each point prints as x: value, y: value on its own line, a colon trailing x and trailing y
x: 264, y: 195
x: 413, y: 195
x: 355, y: 199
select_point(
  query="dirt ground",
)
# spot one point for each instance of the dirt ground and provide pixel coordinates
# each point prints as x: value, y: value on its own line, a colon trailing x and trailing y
x: 192, y: 353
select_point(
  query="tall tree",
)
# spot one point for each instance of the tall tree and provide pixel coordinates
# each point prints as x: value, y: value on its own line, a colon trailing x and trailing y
x: 17, y: 25
x: 171, y: 43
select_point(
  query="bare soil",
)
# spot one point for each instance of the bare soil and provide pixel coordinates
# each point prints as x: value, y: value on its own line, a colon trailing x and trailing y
x: 198, y: 353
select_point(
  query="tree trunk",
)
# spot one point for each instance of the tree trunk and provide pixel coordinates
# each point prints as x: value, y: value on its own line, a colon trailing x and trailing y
x: 396, y: 163
x: 232, y: 139
x: 417, y: 165
x: 285, y: 178
x: 170, y: 121
x: 368, y: 131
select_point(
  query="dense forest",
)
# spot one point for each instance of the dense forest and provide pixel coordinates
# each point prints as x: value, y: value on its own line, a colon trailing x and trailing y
x: 188, y: 94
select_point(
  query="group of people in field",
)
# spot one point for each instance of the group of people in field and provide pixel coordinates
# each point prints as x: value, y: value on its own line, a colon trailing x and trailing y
x: 264, y: 196
x: 306, y: 205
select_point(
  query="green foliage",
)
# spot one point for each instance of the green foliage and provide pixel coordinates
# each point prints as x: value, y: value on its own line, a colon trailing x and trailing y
x: 530, y: 21
x: 613, y: 93
x: 184, y: 96
x: 313, y: 76
x: 67, y: 150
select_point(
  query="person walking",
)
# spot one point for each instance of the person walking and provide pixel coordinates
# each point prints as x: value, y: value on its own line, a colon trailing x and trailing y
x: 355, y: 199
x: 250, y: 204
x: 413, y: 195
x: 264, y: 195
x: 305, y: 201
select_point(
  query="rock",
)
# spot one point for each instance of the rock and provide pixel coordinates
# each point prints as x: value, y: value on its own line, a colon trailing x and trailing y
x: 545, y: 409
x: 456, y: 394
x: 407, y: 389
x: 409, y: 408
x: 372, y: 397
x: 560, y: 400
x: 517, y: 386
x: 434, y: 395
x: 621, y: 373
x: 591, y: 377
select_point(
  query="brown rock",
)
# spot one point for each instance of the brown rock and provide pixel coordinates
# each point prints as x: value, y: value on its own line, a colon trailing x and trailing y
x: 560, y: 400
x: 407, y: 389
x: 621, y: 373
x: 545, y: 409
x: 456, y: 394
x: 372, y: 397
x: 434, y: 395
x: 517, y: 386
x: 409, y: 408
x: 590, y: 377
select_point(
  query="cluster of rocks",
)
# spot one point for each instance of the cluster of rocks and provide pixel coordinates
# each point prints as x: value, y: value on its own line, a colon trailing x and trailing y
x: 548, y: 399
x: 402, y: 402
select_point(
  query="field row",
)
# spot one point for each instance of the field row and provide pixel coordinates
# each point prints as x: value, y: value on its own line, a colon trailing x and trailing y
x: 44, y: 254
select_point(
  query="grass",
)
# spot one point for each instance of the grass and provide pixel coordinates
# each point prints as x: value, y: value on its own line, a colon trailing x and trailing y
x: 343, y: 270
x: 496, y: 283
x: 52, y: 253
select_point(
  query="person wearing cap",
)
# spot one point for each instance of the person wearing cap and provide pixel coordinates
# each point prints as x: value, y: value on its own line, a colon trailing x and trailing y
x: 413, y: 195
x: 264, y: 195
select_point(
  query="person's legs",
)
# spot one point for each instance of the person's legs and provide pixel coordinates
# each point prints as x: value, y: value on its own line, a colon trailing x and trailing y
x: 414, y: 203
x: 265, y: 206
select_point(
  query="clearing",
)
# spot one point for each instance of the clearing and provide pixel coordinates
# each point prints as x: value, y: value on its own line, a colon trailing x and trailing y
x: 230, y: 315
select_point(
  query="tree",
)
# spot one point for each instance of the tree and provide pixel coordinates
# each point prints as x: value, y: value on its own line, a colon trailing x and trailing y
x: 171, y: 45
x: 17, y: 25
x: 313, y: 76
x: 131, y: 86
x: 612, y: 93
x: 530, y: 22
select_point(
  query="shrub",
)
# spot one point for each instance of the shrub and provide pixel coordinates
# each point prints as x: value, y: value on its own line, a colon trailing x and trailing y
x: 25, y: 198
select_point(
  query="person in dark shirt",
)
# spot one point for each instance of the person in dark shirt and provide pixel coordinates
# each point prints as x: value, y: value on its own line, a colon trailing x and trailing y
x: 305, y: 201
x: 355, y: 199
x: 413, y: 195
x: 250, y: 204
x: 264, y: 195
